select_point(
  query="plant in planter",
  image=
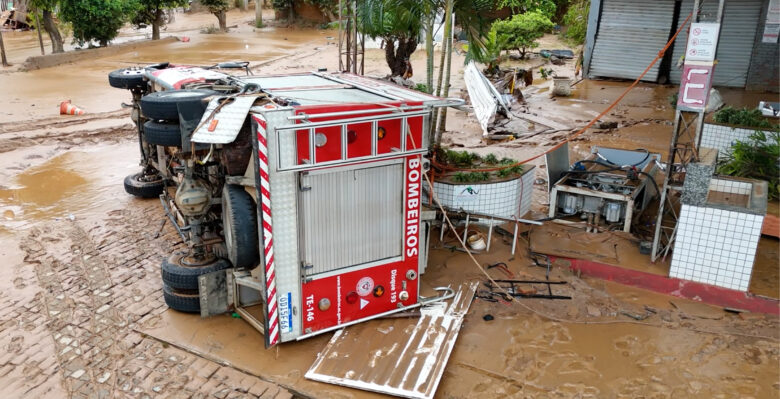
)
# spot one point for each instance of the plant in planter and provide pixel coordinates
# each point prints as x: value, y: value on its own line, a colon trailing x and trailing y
x: 755, y: 158
x: 743, y: 117
x: 484, y: 184
x: 465, y: 161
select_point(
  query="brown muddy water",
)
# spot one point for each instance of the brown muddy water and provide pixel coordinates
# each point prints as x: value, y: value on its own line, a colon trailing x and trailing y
x: 67, y: 185
x: 38, y: 93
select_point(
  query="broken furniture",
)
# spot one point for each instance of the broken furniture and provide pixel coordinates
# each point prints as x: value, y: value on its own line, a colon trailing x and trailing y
x: 612, y: 184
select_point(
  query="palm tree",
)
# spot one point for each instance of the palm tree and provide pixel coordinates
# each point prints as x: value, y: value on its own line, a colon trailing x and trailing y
x: 396, y: 22
x: 399, y: 23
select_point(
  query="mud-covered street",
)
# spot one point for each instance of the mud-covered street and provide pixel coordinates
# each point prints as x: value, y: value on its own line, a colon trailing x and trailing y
x: 82, y: 313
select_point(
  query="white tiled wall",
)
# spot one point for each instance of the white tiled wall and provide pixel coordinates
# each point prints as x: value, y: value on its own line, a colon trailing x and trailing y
x: 731, y: 186
x: 716, y: 246
x: 506, y: 199
x: 723, y: 137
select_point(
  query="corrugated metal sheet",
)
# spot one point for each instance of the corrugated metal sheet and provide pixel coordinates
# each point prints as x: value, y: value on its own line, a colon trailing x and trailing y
x: 735, y: 46
x: 631, y: 32
x: 351, y: 217
x: 400, y: 357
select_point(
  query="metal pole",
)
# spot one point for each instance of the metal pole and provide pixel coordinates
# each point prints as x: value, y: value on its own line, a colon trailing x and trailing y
x: 341, y: 35
x: 354, y: 68
x: 38, y: 29
x: 490, y: 234
x: 466, y: 230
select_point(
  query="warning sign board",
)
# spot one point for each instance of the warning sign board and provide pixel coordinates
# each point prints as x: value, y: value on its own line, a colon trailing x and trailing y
x: 702, y: 42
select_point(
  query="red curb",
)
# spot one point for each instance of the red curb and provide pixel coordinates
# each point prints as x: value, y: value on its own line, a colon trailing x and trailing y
x: 692, y: 290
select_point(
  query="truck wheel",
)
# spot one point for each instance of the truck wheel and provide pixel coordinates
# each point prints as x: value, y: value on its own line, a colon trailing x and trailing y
x: 179, y: 275
x: 184, y: 301
x: 239, y: 227
x: 127, y: 78
x: 164, y: 134
x: 162, y: 105
x: 144, y: 186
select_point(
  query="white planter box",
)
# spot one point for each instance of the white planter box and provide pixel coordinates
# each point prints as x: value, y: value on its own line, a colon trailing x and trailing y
x: 722, y: 137
x: 509, y: 198
x: 716, y: 243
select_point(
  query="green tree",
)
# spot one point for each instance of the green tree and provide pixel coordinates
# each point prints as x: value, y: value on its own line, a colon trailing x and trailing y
x: 285, y: 6
x: 521, y: 31
x: 219, y: 9
x: 98, y: 20
x: 398, y: 23
x: 47, y: 8
x: 576, y: 21
x: 546, y: 7
x: 153, y: 12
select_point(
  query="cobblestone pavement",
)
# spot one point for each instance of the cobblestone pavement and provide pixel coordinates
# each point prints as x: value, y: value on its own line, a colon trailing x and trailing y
x: 66, y: 325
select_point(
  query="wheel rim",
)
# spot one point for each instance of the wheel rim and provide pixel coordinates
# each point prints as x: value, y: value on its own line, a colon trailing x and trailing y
x: 190, y: 261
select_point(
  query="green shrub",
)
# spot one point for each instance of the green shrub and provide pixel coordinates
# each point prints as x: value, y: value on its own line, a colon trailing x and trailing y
x: 521, y: 31
x: 755, y: 158
x: 467, y: 161
x: 490, y: 159
x: 97, y: 20
x: 742, y: 117
x: 421, y: 87
x: 545, y: 7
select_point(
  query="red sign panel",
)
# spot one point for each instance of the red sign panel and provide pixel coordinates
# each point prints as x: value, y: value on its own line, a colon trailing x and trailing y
x: 694, y: 87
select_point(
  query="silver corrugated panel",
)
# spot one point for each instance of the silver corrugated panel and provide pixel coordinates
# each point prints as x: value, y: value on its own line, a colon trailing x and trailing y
x: 735, y: 45
x: 631, y: 32
x: 351, y: 217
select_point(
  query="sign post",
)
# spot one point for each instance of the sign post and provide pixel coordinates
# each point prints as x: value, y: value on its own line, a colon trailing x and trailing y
x: 695, y: 85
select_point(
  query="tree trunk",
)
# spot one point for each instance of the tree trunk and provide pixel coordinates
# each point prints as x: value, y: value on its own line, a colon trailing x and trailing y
x: 158, y: 20
x: 259, y: 13
x: 291, y: 12
x: 222, y: 17
x: 445, y: 42
x: 446, y: 93
x: 429, y: 53
x: 38, y: 31
x: 397, y: 53
x: 54, y: 33
x: 2, y: 51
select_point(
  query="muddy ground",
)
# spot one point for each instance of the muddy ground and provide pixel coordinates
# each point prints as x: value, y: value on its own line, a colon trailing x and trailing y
x: 82, y: 257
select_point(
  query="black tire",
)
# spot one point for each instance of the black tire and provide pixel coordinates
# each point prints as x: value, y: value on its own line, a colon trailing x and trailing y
x: 144, y: 186
x: 127, y: 78
x: 162, y: 105
x: 239, y: 227
x: 183, y: 301
x: 180, y: 276
x: 164, y: 134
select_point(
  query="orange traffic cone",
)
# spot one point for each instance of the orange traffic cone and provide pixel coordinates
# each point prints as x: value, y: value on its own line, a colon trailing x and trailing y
x: 66, y: 108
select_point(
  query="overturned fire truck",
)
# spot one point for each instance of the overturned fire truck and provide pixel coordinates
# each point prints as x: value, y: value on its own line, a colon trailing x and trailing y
x: 298, y: 196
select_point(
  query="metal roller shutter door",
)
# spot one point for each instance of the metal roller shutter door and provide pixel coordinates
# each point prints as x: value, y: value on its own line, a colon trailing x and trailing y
x: 735, y: 46
x: 351, y: 217
x: 630, y: 34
